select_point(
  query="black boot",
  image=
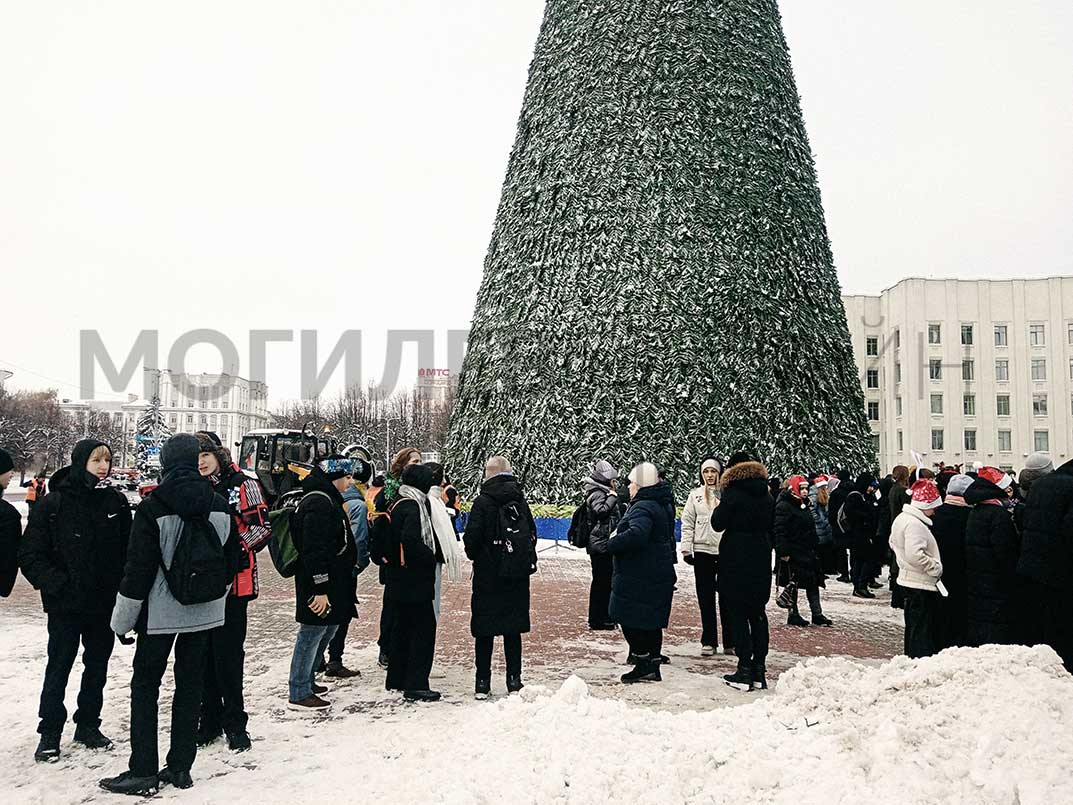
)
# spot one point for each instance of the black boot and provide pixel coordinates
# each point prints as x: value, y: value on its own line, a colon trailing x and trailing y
x: 759, y: 678
x: 822, y: 620
x: 646, y: 670
x: 514, y: 683
x: 863, y: 592
x: 845, y: 579
x: 207, y: 734
x: 131, y: 784
x: 92, y: 738
x: 337, y: 670
x: 482, y: 688
x: 742, y: 679
x: 795, y: 619
x: 421, y: 695
x: 48, y: 748
x: 179, y: 779
x: 238, y: 741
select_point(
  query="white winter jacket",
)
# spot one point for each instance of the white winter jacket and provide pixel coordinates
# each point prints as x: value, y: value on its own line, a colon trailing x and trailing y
x: 697, y: 533
x: 919, y: 564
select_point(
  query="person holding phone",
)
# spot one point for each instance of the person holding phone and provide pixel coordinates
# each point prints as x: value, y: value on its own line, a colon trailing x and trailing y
x: 324, y: 582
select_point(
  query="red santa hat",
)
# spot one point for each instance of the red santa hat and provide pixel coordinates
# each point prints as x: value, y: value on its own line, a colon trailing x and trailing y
x: 925, y: 494
x: 995, y: 476
x: 794, y: 484
x: 820, y: 481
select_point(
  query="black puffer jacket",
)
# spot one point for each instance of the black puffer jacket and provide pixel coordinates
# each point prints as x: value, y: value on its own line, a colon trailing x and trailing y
x: 642, y: 587
x: 794, y: 532
x: 834, y: 506
x: 1047, y: 547
x: 744, y: 516
x: 75, y: 545
x: 326, y: 552
x: 991, y: 552
x: 414, y: 581
x: 10, y: 536
x: 862, y: 514
x: 499, y: 605
x: 948, y: 525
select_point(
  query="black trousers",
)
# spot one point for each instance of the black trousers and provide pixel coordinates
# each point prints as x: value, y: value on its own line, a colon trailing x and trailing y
x: 644, y: 642
x: 338, y: 641
x: 600, y: 588
x: 64, y: 634
x: 387, y: 619
x: 150, y: 663
x: 861, y: 566
x: 1053, y: 624
x: 748, y: 624
x: 712, y: 609
x: 413, y: 646
x: 921, y: 611
x: 512, y: 651
x: 222, y: 704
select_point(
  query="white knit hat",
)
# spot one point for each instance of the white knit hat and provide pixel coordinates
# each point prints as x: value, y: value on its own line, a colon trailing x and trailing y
x: 644, y: 474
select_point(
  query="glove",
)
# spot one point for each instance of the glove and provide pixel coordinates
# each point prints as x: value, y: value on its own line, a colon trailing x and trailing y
x: 126, y: 641
x: 687, y: 558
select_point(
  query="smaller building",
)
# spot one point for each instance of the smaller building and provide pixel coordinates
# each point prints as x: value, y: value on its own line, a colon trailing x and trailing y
x: 227, y: 405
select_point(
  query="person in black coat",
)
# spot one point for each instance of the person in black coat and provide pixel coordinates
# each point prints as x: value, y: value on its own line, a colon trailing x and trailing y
x: 324, y: 581
x: 410, y: 586
x: 73, y: 551
x: 862, y: 519
x: 499, y: 604
x: 744, y: 516
x: 794, y: 533
x: 10, y: 530
x: 1046, y: 560
x: 948, y: 525
x: 884, y: 519
x: 642, y: 587
x: 840, y: 538
x: 992, y: 550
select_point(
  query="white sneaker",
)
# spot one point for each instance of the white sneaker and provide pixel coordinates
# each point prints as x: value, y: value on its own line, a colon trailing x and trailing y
x: 707, y: 651
x: 720, y: 650
x: 436, y: 673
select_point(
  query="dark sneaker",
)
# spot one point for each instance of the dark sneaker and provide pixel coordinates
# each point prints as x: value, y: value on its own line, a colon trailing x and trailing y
x: 602, y: 627
x: 238, y: 741
x: 514, y: 683
x: 131, y: 784
x: 92, y: 738
x: 863, y: 592
x: 48, y: 748
x: 646, y: 671
x: 796, y: 620
x: 759, y: 677
x: 206, y: 735
x: 382, y: 660
x: 874, y: 585
x: 179, y: 779
x: 309, y: 704
x: 742, y: 679
x: 845, y: 579
x: 421, y: 696
x: 319, y: 690
x: 822, y: 620
x: 481, y: 689
x: 336, y: 670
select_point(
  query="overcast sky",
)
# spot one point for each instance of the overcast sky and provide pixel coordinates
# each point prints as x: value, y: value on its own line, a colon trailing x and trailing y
x: 258, y: 164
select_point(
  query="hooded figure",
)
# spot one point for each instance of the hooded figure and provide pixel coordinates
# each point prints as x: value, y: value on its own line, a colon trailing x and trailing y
x: 949, y: 524
x: 602, y: 511
x: 992, y: 548
x: 862, y: 521
x: 839, y: 492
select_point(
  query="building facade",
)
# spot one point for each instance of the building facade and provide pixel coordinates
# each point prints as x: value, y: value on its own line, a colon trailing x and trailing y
x: 967, y: 370
x: 227, y: 405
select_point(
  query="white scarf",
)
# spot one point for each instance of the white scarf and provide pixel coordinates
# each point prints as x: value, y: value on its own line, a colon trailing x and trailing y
x: 415, y: 494
x: 445, y: 533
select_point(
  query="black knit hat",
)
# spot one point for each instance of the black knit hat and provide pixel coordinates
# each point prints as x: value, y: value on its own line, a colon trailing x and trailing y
x: 5, y: 462
x: 336, y: 466
x: 180, y: 452
x: 419, y: 476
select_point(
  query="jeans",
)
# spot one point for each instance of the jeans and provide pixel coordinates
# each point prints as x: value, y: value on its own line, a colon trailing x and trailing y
x: 222, y: 704
x: 600, y: 588
x: 748, y: 623
x: 644, y: 642
x: 921, y: 608
x: 150, y: 663
x: 512, y: 650
x: 64, y: 633
x: 308, y: 649
x: 413, y: 645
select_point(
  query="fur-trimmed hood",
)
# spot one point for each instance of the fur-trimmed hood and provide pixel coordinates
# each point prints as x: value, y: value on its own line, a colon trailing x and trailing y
x: 743, y: 471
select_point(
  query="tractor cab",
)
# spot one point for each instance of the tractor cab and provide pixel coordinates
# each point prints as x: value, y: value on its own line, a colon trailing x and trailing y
x: 280, y: 458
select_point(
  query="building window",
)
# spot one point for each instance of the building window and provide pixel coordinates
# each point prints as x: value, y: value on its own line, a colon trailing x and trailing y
x: 1070, y: 337
x: 968, y: 404
x: 871, y: 346
x: 1039, y: 368
x: 900, y: 446
x: 935, y: 334
x: 212, y: 423
x: 1005, y: 441
x: 1001, y: 337
x: 1002, y: 404
x: 1071, y: 368
x: 875, y: 442
x: 968, y: 370
x: 1042, y: 440
x: 898, y: 336
x: 173, y: 421
x: 970, y: 440
x: 936, y: 438
x: 189, y: 421
x: 204, y: 422
x: 935, y: 369
x: 898, y: 370
x: 1039, y: 405
x: 873, y: 378
x: 1002, y: 370
x: 966, y: 335
x: 1037, y: 336
x: 936, y: 403
x: 897, y: 406
x: 873, y: 410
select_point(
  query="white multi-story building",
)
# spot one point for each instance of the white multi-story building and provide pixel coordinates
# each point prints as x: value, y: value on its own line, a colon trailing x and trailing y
x: 199, y: 402
x: 967, y: 370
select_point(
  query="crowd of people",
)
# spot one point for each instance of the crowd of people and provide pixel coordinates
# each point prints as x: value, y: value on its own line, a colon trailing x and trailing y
x: 974, y: 557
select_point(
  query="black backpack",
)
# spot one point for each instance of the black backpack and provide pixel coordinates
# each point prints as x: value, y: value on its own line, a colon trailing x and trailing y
x: 516, y: 542
x: 199, y: 571
x: 579, y: 531
x: 380, y: 539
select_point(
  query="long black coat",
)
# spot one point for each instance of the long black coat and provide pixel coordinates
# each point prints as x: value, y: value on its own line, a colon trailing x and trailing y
x: 10, y: 535
x: 326, y: 553
x: 948, y: 526
x: 1047, y: 546
x: 991, y: 551
x: 862, y: 515
x: 499, y: 605
x: 414, y: 581
x: 838, y: 498
x: 642, y: 587
x: 75, y: 545
x: 744, y: 516
x: 794, y: 533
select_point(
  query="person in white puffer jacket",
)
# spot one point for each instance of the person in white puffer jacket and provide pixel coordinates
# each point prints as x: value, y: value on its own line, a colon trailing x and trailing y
x: 700, y: 548
x: 919, y: 567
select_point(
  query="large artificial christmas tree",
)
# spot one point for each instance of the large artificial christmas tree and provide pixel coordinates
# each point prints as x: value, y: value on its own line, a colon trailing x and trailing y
x: 659, y: 283
x: 151, y: 432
